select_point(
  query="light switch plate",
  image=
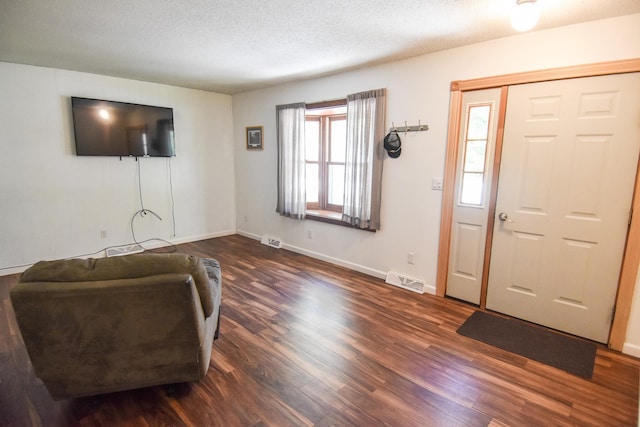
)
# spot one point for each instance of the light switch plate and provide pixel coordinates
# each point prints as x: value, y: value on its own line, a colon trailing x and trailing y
x: 436, y: 184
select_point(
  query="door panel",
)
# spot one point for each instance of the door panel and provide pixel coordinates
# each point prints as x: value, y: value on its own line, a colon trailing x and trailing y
x: 471, y: 205
x: 537, y: 166
x: 568, y: 167
x: 470, y: 239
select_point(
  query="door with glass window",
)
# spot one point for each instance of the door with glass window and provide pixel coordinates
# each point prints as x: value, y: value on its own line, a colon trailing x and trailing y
x: 567, y: 174
x: 476, y: 146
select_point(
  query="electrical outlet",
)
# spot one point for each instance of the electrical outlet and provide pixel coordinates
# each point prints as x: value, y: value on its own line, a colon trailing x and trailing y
x: 310, y: 234
x: 410, y: 257
x: 246, y: 219
x: 103, y: 234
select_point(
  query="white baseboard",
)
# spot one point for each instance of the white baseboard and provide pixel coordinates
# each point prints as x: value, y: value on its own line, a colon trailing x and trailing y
x: 336, y: 261
x: 154, y: 244
x: 631, y: 349
x: 249, y: 235
x: 430, y: 289
x: 332, y: 260
x: 14, y: 270
x: 322, y: 257
x: 203, y: 237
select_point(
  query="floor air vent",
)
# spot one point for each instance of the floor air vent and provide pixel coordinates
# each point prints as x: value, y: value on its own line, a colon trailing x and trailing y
x: 409, y: 283
x: 271, y: 241
x: 124, y: 250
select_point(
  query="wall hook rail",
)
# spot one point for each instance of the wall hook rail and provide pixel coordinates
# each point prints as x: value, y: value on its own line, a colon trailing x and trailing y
x: 409, y: 128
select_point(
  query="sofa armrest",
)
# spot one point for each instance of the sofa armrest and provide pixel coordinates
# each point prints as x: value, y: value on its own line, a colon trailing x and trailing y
x: 212, y: 268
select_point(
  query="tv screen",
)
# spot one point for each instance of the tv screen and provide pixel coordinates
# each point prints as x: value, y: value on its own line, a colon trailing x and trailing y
x: 110, y: 128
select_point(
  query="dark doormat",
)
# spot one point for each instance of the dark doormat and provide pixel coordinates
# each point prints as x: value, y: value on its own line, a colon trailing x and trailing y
x: 570, y: 354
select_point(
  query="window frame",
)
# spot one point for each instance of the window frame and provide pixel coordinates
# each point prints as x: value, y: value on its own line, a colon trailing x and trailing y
x: 324, y: 113
x: 316, y: 205
x: 463, y: 166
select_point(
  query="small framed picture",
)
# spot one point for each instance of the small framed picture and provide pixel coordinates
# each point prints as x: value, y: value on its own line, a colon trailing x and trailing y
x: 254, y: 138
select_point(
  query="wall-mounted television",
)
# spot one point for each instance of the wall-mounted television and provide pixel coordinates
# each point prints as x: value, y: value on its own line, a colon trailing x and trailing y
x: 110, y: 128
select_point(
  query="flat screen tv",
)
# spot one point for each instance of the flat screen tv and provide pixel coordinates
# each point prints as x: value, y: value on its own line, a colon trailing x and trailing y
x: 110, y: 128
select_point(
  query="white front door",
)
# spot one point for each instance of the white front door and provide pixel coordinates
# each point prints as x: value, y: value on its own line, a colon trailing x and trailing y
x: 569, y: 159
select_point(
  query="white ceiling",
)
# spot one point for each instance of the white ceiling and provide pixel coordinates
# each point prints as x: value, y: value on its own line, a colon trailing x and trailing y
x: 231, y: 46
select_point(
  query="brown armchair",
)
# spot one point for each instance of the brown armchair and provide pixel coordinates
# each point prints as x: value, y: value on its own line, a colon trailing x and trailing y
x: 104, y: 325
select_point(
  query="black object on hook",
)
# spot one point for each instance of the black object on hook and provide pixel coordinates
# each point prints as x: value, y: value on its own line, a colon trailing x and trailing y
x: 393, y: 144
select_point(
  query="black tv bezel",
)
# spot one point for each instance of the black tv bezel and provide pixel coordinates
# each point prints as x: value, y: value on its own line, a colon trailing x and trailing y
x: 107, y: 101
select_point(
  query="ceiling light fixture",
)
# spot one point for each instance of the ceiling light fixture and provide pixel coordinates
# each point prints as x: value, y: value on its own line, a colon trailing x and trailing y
x: 525, y: 15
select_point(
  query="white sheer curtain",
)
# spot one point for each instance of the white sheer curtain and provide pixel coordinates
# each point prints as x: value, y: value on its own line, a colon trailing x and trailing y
x: 292, y: 199
x: 365, y: 152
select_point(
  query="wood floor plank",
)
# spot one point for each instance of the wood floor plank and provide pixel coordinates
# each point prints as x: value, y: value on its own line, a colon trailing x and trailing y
x: 303, y: 342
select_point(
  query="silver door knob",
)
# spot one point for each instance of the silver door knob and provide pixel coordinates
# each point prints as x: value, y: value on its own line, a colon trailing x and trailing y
x: 502, y: 216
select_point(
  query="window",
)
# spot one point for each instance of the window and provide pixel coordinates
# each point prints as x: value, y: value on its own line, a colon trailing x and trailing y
x: 331, y: 167
x: 473, y: 166
x: 325, y: 139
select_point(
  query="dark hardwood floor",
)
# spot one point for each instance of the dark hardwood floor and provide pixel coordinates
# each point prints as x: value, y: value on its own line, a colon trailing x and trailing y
x: 304, y: 342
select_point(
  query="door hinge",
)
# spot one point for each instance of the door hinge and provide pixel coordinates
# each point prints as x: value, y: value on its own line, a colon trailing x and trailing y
x: 630, y: 216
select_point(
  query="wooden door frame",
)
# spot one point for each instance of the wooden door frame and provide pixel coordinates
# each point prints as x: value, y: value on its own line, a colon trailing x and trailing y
x: 631, y: 256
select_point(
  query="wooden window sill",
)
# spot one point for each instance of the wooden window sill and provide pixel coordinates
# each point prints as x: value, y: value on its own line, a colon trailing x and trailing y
x: 330, y: 217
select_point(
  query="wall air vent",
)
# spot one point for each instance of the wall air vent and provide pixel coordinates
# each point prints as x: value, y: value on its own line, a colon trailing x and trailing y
x: 405, y: 282
x: 271, y: 241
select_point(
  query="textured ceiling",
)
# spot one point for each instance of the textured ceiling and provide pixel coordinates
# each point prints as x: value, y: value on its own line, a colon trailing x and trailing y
x: 230, y: 46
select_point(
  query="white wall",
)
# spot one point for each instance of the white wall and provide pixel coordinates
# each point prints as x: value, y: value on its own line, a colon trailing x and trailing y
x: 418, y: 89
x: 53, y: 204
